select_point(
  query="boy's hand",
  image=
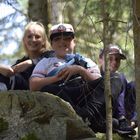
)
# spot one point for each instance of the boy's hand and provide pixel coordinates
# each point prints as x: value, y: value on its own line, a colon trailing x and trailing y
x: 67, y: 72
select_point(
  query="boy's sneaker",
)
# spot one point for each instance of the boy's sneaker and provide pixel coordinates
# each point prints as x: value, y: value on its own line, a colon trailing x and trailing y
x: 125, y: 129
x: 3, y: 87
x: 123, y: 125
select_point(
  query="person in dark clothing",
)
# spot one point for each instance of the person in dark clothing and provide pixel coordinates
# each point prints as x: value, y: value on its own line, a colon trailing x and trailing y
x: 130, y: 104
x: 119, y: 109
x: 35, y: 44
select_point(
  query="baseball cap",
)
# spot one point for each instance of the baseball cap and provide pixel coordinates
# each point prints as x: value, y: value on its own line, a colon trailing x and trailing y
x: 61, y: 29
x: 113, y: 49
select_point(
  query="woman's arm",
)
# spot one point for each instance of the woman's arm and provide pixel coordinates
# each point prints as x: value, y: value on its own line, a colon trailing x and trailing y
x: 6, y: 70
x: 22, y: 66
x: 11, y: 70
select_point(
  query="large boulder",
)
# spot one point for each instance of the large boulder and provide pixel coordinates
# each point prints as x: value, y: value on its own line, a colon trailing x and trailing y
x: 39, y: 116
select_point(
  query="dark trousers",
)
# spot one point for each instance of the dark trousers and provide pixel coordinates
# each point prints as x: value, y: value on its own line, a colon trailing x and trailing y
x: 5, y: 80
x: 130, y: 101
x: 16, y: 82
x: 20, y: 83
x: 87, y: 99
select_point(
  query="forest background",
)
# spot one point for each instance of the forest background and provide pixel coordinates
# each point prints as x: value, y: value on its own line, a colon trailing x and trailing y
x: 84, y: 15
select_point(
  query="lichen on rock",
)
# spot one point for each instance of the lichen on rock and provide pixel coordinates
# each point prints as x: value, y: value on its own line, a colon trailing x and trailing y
x: 39, y: 115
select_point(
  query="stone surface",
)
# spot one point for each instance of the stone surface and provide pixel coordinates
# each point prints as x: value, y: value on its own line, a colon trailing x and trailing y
x: 39, y: 116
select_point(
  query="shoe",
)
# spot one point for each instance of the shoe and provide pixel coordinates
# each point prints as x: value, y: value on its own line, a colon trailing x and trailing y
x: 124, y: 126
x: 125, y: 129
x: 126, y: 133
x: 3, y: 87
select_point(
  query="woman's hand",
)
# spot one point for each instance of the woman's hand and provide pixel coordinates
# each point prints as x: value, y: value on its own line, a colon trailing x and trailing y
x: 22, y: 66
x: 6, y: 70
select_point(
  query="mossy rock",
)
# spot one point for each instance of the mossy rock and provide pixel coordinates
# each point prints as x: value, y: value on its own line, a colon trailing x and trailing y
x: 39, y: 116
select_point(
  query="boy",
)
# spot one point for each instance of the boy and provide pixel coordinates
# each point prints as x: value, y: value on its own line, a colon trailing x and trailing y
x: 63, y: 43
x: 119, y: 110
x: 77, y: 79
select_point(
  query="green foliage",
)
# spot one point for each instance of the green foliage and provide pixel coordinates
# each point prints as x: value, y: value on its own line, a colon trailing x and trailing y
x: 102, y: 136
x: 23, y: 4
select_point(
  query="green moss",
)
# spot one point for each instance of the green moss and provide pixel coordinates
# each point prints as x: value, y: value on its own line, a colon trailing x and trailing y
x: 30, y: 136
x: 3, y: 125
x: 102, y: 136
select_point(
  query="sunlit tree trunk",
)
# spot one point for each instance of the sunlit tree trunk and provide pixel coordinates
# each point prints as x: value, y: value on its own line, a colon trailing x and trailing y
x: 39, y: 10
x: 56, y: 11
x: 108, y: 96
x: 136, y: 29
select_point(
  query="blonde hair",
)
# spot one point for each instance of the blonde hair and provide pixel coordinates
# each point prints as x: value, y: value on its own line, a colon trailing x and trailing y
x: 46, y: 45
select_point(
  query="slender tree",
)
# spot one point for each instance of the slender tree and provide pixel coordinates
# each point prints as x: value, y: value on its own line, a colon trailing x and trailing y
x: 108, y: 97
x: 136, y: 30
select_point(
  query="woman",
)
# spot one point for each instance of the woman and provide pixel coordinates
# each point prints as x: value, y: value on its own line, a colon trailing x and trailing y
x: 35, y: 44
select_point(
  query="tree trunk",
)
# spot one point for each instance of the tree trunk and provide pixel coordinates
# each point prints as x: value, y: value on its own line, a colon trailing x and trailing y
x: 56, y: 10
x: 108, y: 96
x: 136, y: 31
x: 38, y: 10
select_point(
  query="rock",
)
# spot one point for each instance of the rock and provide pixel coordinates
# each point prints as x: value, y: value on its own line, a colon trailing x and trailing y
x: 39, y: 116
